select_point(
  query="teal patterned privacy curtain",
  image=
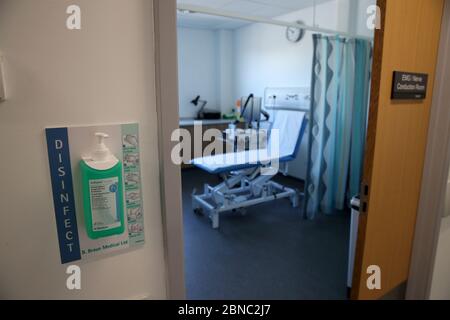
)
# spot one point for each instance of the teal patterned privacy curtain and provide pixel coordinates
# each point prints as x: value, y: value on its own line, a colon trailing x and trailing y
x: 338, y: 122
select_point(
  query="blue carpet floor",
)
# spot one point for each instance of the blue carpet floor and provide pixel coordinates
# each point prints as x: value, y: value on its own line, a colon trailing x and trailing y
x: 270, y: 253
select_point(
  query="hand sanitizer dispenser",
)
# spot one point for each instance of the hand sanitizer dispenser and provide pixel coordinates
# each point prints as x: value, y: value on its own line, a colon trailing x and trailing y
x: 102, y: 192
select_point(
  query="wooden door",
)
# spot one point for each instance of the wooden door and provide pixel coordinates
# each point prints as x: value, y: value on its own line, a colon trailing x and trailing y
x: 408, y: 41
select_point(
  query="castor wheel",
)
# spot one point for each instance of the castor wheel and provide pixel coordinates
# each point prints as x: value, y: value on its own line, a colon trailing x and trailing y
x: 198, y: 212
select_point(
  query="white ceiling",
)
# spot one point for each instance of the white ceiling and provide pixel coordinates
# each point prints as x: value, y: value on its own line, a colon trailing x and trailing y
x: 259, y: 8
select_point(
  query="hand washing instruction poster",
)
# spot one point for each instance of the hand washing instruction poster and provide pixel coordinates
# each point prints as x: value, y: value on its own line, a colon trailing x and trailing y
x: 67, y: 147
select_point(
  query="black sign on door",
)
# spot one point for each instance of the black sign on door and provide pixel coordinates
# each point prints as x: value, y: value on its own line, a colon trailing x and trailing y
x: 409, y: 86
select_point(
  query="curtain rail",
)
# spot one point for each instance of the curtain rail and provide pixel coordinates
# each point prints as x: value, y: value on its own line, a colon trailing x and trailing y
x: 232, y: 15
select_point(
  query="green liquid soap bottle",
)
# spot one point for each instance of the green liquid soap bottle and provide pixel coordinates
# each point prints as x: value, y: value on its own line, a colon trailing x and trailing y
x: 102, y: 192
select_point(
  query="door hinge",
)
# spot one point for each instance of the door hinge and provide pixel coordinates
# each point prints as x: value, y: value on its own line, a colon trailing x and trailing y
x: 366, y: 190
x: 364, y: 207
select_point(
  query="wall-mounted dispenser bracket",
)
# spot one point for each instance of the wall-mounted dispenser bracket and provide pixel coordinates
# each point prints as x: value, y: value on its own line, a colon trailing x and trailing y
x: 2, y: 81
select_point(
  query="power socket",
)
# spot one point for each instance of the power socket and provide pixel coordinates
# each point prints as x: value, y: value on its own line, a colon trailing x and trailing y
x: 2, y: 81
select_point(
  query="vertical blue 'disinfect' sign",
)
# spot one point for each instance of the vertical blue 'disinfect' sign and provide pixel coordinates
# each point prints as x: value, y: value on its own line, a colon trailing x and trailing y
x: 63, y: 194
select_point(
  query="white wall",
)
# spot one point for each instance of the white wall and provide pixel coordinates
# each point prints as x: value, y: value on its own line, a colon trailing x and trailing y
x: 440, y: 288
x: 258, y: 56
x: 332, y: 15
x: 198, y: 69
x: 264, y: 57
x: 270, y: 60
x: 101, y: 74
x: 362, y: 17
x: 226, y: 56
x: 348, y: 16
x: 224, y: 65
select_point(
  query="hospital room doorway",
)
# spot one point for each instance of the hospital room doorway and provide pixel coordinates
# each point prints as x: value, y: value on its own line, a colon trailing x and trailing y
x: 273, y: 106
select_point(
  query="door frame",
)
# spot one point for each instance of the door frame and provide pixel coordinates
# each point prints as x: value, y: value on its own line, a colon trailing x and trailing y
x: 166, y: 65
x: 370, y: 147
x: 436, y: 167
x: 435, y: 176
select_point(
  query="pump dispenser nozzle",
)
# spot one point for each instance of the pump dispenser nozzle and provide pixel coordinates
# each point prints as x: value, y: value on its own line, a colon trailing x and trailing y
x: 101, y: 152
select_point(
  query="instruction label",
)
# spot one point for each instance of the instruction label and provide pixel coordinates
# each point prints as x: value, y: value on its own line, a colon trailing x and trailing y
x: 132, y: 178
x: 104, y: 203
